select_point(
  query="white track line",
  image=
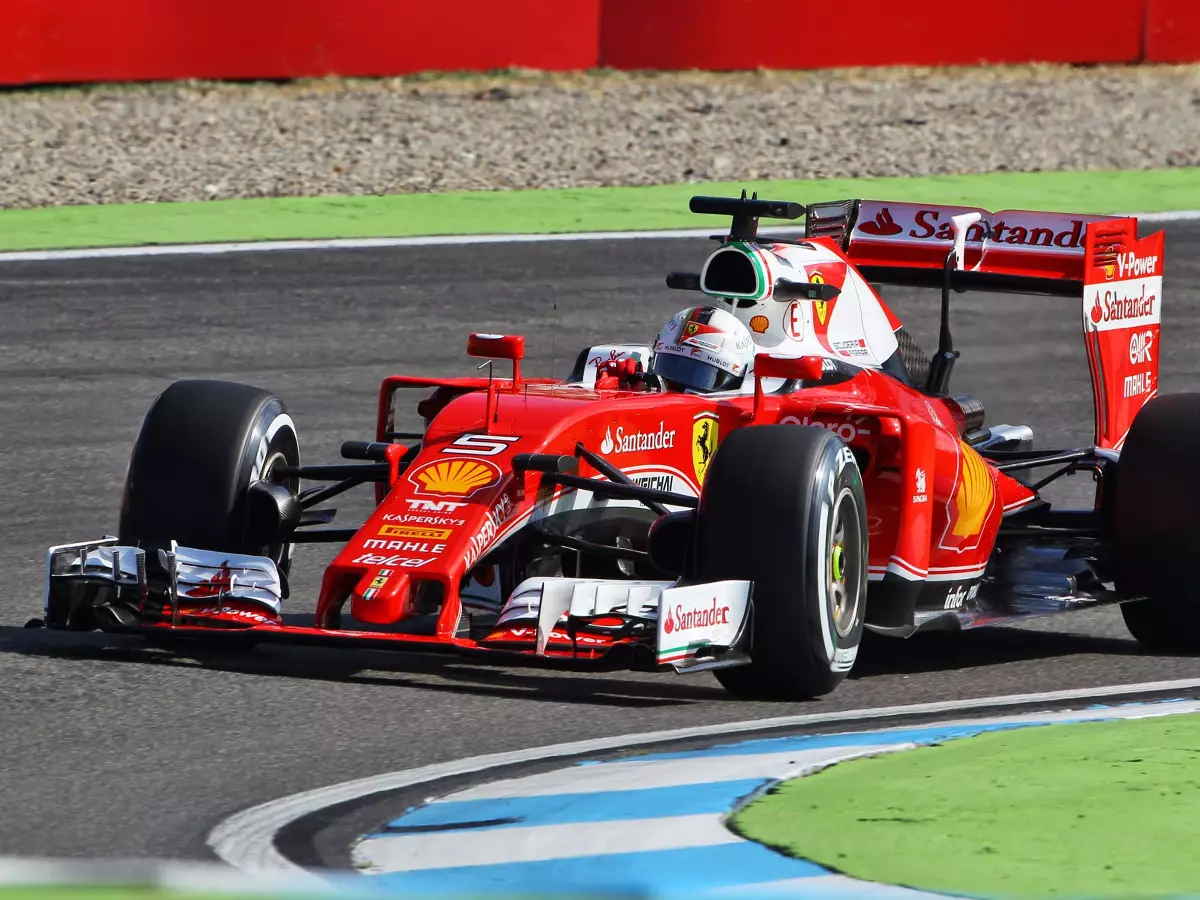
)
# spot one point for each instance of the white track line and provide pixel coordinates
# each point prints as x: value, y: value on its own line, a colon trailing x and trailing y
x: 537, y: 843
x: 247, y: 839
x: 422, y: 241
x: 358, y: 243
x: 636, y: 774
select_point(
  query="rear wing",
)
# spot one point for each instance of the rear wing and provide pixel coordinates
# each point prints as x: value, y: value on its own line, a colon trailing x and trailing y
x: 1099, y: 260
x: 1015, y: 251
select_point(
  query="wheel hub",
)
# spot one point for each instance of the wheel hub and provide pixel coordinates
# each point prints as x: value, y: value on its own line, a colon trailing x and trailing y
x: 845, y: 564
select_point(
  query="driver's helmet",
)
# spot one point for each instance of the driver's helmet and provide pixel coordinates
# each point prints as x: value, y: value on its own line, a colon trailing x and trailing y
x: 703, y: 349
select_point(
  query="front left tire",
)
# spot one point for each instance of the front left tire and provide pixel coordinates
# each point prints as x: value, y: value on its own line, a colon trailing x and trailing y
x: 201, y: 446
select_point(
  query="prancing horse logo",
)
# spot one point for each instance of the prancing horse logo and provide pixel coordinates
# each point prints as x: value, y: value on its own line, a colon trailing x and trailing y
x: 704, y: 444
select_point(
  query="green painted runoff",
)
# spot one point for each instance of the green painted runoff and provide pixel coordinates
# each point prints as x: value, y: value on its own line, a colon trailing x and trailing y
x: 1099, y: 809
x: 566, y: 210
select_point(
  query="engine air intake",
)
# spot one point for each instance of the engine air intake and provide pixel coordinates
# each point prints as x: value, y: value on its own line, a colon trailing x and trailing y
x: 730, y: 272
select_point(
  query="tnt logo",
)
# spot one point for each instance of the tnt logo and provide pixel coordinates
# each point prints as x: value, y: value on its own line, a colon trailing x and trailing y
x: 1140, y: 343
x: 442, y: 506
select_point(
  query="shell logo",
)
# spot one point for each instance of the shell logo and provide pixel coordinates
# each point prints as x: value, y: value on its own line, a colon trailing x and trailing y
x: 758, y: 324
x: 974, y: 496
x: 454, y: 477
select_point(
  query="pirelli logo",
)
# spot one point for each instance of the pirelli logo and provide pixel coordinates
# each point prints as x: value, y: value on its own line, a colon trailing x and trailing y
x: 415, y: 532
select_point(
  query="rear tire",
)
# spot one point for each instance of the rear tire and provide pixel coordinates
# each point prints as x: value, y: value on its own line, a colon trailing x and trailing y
x: 773, y: 501
x: 201, y: 445
x: 1156, y: 523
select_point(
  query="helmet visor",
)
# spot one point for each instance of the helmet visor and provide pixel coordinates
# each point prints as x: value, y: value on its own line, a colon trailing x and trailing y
x: 692, y: 373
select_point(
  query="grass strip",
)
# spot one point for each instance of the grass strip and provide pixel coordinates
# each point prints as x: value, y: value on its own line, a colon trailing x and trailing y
x: 566, y: 210
x: 1101, y: 809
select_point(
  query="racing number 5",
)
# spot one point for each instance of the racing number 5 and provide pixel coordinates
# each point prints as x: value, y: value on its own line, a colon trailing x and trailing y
x: 480, y: 444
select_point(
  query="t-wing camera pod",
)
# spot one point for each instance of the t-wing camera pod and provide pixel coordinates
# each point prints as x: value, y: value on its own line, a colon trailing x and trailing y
x: 745, y: 212
x: 942, y: 363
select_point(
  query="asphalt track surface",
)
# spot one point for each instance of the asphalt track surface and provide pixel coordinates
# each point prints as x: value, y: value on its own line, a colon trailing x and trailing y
x: 109, y: 749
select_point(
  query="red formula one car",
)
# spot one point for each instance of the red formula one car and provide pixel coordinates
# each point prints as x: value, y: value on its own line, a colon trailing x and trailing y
x: 752, y: 525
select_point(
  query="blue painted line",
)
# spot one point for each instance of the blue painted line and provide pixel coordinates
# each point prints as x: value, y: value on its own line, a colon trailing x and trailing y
x: 561, y: 809
x: 849, y: 739
x: 659, y: 872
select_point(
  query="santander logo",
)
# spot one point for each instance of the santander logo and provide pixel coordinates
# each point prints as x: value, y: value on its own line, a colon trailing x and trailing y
x: 636, y: 441
x: 912, y: 222
x: 882, y: 226
x: 700, y: 617
x: 1117, y: 307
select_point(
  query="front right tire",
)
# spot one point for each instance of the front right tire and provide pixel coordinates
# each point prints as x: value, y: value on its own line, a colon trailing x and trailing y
x: 783, y: 507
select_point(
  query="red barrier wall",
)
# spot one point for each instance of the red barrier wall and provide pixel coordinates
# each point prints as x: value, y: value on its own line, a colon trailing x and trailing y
x: 1173, y: 30
x: 799, y: 34
x: 138, y: 40
x: 47, y: 41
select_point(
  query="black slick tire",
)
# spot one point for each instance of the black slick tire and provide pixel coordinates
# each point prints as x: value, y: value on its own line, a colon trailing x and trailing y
x: 1155, y: 523
x: 200, y: 447
x: 768, y: 512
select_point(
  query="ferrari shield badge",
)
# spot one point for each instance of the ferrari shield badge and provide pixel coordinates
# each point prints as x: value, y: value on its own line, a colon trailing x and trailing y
x: 821, y: 307
x: 704, y: 444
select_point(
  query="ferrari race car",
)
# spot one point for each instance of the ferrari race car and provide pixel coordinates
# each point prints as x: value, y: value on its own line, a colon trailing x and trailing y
x: 753, y: 531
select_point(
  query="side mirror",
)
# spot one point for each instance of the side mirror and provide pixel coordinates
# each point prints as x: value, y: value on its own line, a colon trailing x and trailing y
x: 798, y: 368
x: 787, y: 291
x: 499, y: 346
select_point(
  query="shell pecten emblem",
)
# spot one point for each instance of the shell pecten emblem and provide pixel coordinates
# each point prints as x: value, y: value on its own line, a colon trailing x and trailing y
x: 973, y: 496
x: 454, y: 477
